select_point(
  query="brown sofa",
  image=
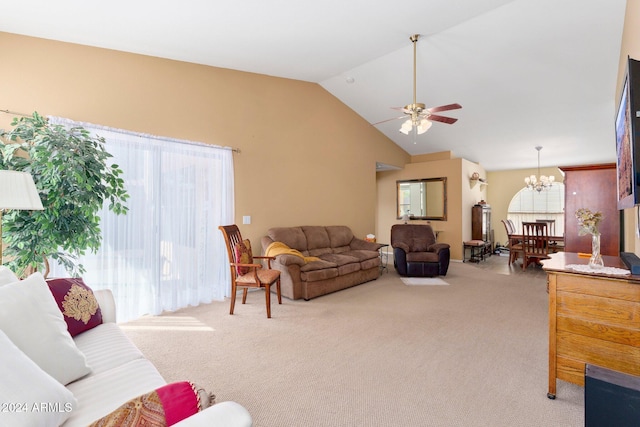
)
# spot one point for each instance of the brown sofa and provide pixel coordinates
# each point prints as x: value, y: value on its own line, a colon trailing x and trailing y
x: 339, y: 261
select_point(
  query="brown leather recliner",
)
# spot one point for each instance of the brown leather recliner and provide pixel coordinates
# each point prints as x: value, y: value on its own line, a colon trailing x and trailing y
x: 416, y: 252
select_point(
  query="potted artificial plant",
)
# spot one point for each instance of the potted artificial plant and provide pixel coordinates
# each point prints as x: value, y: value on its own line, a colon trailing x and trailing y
x: 71, y: 171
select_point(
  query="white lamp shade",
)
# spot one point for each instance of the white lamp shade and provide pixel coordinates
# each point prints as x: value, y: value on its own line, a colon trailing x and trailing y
x: 17, y: 191
x: 423, y: 126
x: 406, y: 127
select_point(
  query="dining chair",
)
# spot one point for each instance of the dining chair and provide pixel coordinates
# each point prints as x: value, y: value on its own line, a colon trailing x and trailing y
x: 535, y: 242
x: 514, y: 244
x: 244, y: 272
x: 552, y: 225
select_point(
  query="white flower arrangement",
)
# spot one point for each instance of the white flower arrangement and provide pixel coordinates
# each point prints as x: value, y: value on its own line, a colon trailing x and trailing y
x: 588, y: 221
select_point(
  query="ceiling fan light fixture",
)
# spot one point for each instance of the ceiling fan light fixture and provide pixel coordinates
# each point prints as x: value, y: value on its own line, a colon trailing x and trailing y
x: 406, y: 127
x: 424, y: 126
x: 419, y: 116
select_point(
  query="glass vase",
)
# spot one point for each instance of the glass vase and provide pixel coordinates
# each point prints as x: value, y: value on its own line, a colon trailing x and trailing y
x: 595, y: 262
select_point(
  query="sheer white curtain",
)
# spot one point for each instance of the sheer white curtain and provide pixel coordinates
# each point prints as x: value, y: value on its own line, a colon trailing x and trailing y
x: 166, y: 252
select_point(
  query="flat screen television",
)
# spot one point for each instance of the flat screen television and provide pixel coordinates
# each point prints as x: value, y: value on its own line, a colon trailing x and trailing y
x: 627, y: 138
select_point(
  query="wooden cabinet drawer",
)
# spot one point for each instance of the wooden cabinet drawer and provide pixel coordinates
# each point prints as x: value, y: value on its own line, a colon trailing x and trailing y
x: 621, y: 334
x: 600, y: 352
x: 598, y: 286
x: 600, y: 309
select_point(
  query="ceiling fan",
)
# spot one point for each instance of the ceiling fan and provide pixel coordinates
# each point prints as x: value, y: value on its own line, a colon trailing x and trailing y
x: 420, y: 117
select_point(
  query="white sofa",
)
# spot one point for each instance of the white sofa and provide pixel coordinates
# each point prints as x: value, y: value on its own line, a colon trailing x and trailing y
x: 118, y: 371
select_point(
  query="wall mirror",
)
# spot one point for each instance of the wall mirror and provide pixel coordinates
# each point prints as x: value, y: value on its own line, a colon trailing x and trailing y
x: 422, y: 198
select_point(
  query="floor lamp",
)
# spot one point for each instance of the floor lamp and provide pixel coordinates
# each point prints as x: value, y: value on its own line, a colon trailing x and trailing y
x: 17, y: 191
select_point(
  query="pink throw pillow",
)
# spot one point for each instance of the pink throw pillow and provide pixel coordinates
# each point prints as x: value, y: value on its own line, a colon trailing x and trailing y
x: 162, y: 407
x: 77, y: 303
x: 243, y: 255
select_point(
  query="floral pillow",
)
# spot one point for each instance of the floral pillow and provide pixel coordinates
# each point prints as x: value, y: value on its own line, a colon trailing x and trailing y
x: 243, y: 255
x: 77, y: 303
x: 162, y: 407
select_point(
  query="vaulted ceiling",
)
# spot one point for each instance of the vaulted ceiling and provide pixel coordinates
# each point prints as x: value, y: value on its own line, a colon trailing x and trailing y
x: 527, y: 72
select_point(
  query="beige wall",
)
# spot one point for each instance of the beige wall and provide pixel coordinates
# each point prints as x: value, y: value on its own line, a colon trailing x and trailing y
x: 305, y: 157
x: 503, y: 185
x: 630, y: 47
x: 461, y: 195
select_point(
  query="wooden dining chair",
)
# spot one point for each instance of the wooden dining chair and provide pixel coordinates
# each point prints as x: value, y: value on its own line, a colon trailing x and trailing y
x: 552, y: 225
x: 244, y: 272
x: 513, y: 243
x: 535, y: 242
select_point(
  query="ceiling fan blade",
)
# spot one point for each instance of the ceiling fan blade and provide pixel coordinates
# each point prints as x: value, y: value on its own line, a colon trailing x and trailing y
x: 444, y: 108
x: 442, y: 119
x: 388, y: 120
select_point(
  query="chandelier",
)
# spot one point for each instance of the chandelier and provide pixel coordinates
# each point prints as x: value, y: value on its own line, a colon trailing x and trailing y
x: 539, y: 184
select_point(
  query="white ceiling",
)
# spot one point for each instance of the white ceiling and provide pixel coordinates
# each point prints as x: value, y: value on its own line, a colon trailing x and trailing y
x: 527, y: 72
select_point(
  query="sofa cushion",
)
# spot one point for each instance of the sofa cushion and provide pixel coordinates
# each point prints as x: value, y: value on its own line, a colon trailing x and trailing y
x: 164, y: 406
x: 369, y: 263
x: 352, y: 267
x: 106, y: 346
x: 340, y: 235
x: 422, y: 257
x: 290, y: 236
x: 25, y: 387
x: 77, y: 303
x: 316, y: 275
x: 419, y: 244
x: 320, y: 251
x: 318, y: 265
x: 280, y: 250
x: 340, y: 259
x: 341, y: 249
x: 102, y: 393
x: 346, y: 264
x: 318, y: 242
x: 362, y: 255
x: 30, y: 317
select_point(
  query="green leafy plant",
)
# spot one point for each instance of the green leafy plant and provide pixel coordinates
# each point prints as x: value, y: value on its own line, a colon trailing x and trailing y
x: 74, y: 179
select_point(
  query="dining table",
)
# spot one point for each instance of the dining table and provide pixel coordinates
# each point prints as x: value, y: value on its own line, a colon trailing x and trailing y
x: 555, y: 242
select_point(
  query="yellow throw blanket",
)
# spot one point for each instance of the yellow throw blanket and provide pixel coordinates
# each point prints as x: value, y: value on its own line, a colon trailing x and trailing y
x: 279, y: 248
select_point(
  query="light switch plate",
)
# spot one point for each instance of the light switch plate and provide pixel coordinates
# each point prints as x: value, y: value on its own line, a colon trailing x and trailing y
x: 246, y: 219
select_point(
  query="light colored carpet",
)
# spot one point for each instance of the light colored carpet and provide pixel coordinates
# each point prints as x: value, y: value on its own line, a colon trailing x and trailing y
x: 473, y: 353
x: 423, y: 281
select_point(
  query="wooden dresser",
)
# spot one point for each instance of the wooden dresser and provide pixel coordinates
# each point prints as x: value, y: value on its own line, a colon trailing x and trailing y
x: 593, y: 319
